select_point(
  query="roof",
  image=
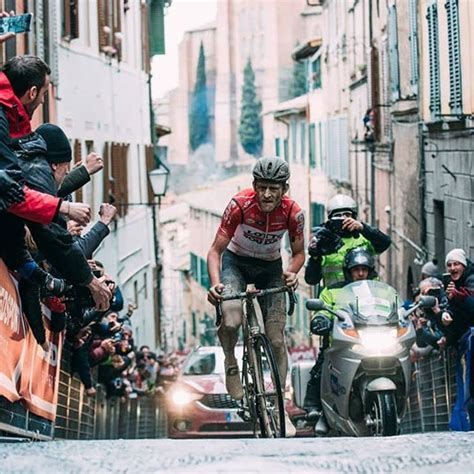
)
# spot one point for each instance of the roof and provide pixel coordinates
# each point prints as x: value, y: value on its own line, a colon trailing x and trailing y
x: 289, y: 107
x: 308, y: 48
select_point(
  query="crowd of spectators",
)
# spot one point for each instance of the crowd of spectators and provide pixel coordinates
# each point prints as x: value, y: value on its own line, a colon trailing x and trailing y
x: 48, y: 243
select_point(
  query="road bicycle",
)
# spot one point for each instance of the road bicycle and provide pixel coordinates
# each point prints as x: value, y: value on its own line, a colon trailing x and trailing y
x: 263, y: 401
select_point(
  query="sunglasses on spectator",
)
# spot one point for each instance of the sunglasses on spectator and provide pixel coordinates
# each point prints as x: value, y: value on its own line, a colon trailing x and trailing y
x: 341, y: 215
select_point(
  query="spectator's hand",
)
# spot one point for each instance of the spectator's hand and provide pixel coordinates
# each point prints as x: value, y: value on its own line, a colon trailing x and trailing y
x: 214, y: 295
x: 131, y: 308
x: 108, y: 345
x: 290, y: 279
x: 441, y: 343
x: 450, y: 290
x: 94, y: 163
x: 77, y: 211
x: 74, y: 228
x: 446, y: 319
x: 6, y: 36
x: 100, y: 293
x: 107, y: 213
x: 352, y: 225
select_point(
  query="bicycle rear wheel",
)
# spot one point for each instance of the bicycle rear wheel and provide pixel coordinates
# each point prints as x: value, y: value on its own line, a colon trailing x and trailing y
x: 268, y: 393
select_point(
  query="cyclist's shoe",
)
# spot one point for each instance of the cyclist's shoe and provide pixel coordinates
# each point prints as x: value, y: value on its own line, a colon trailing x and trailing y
x: 233, y: 383
x: 289, y: 427
x: 322, y: 427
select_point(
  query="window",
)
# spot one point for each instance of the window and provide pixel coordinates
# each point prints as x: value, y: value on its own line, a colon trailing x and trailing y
x: 439, y: 230
x: 315, y: 73
x: 106, y: 184
x: 109, y: 15
x: 433, y: 55
x: 393, y: 53
x: 413, y: 39
x: 70, y: 19
x: 338, y: 150
x: 454, y: 55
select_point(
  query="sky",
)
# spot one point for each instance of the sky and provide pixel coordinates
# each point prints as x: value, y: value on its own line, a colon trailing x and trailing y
x: 182, y: 16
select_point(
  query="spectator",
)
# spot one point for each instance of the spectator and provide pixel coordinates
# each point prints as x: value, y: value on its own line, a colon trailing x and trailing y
x: 460, y: 291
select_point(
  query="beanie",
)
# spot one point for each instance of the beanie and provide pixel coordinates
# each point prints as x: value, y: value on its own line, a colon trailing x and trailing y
x: 457, y: 255
x: 430, y: 269
x: 59, y: 148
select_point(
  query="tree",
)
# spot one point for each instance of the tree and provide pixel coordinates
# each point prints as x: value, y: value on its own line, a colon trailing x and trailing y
x: 199, y: 116
x: 250, y: 129
x: 298, y: 81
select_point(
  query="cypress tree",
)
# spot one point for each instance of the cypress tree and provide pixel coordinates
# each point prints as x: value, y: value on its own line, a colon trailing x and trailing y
x: 199, y: 116
x: 250, y: 129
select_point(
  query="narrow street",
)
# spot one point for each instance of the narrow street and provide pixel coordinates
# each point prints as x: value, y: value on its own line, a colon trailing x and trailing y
x: 423, y: 453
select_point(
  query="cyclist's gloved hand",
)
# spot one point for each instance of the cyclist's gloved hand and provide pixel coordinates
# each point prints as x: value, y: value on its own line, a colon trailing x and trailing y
x: 214, y: 295
x: 321, y: 325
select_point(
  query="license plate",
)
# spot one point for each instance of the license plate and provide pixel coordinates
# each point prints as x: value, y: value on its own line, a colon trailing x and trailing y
x: 232, y: 417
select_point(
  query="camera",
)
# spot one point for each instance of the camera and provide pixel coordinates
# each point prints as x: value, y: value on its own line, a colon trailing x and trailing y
x: 79, y: 296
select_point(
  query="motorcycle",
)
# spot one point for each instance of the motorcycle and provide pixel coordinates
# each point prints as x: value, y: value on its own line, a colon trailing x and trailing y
x: 366, y: 371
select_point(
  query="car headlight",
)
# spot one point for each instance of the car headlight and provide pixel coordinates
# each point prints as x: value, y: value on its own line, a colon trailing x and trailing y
x: 180, y: 396
x: 378, y: 342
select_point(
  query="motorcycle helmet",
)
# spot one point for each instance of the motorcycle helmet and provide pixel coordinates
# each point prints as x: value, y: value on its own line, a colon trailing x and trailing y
x: 271, y: 168
x: 340, y: 203
x: 359, y: 257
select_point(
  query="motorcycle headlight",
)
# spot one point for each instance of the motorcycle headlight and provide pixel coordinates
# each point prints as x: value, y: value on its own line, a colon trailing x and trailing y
x: 378, y: 342
x: 180, y: 396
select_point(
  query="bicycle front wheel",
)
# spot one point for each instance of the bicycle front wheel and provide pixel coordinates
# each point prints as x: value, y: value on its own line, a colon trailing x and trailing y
x: 269, y: 396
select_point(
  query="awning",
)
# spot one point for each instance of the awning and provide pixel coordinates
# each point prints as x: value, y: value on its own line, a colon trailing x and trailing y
x: 308, y: 48
x: 289, y: 107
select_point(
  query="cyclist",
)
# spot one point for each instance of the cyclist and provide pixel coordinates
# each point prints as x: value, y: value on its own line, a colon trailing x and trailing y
x: 249, y: 241
x: 341, y: 233
x: 358, y: 265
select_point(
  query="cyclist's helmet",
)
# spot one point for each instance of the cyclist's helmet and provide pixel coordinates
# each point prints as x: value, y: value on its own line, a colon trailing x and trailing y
x: 340, y: 203
x: 271, y: 168
x: 359, y: 257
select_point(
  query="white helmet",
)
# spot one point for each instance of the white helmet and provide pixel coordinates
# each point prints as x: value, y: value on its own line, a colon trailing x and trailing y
x: 341, y: 202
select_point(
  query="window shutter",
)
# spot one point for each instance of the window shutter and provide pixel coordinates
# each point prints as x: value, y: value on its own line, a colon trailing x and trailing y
x: 312, y: 145
x: 433, y: 53
x: 145, y: 38
x: 413, y: 39
x: 116, y: 175
x: 117, y: 27
x: 157, y: 27
x: 317, y: 214
x: 102, y: 23
x: 454, y: 55
x: 393, y: 53
x: 277, y: 147
x: 124, y: 156
x: 78, y: 159
x: 303, y: 141
x: 150, y: 165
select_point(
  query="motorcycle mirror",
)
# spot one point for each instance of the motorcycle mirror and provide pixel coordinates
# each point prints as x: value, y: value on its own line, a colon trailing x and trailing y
x: 315, y: 305
x: 427, y: 301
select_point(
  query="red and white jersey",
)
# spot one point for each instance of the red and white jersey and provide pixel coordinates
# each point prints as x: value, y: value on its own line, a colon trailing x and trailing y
x: 257, y: 234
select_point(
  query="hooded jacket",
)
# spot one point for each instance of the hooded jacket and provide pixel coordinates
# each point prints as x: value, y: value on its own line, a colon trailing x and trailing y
x: 15, y: 123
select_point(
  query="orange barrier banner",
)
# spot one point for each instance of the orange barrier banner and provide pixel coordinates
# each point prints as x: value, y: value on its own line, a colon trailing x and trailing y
x: 27, y: 373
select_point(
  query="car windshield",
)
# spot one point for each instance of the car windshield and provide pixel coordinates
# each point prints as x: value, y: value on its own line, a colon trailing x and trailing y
x: 369, y: 302
x: 206, y: 361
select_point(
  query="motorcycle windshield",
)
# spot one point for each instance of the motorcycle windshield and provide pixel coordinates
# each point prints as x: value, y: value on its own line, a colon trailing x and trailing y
x: 369, y: 302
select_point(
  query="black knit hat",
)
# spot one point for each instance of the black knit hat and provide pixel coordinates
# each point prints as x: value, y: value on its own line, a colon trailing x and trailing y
x: 59, y: 148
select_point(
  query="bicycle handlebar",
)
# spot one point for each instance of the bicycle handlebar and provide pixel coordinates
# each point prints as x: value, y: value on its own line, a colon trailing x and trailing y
x: 255, y: 294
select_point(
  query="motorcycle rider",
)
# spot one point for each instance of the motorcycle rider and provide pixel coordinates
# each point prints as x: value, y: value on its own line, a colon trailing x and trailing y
x: 359, y: 265
x: 337, y: 236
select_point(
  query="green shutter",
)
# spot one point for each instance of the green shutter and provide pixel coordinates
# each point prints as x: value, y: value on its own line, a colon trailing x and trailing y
x: 303, y: 141
x: 413, y: 39
x: 277, y: 147
x: 204, y: 275
x: 393, y: 53
x: 312, y: 146
x: 285, y: 150
x: 157, y: 27
x: 194, y: 267
x: 316, y: 73
x: 293, y: 139
x: 433, y: 53
x: 454, y: 55
x: 194, y: 321
x: 317, y: 214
